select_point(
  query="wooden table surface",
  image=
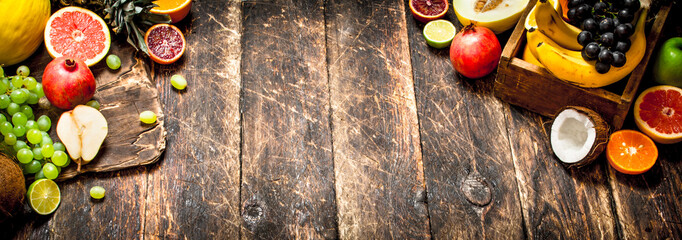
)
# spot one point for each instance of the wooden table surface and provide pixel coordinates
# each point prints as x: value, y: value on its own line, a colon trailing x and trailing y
x: 334, y: 119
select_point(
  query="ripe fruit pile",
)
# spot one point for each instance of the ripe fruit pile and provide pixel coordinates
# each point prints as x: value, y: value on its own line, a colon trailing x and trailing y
x: 607, y: 27
x: 26, y: 134
x: 585, y: 57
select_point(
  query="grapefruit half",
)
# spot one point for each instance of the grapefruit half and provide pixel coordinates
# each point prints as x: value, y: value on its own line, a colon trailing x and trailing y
x: 658, y: 113
x: 78, y: 33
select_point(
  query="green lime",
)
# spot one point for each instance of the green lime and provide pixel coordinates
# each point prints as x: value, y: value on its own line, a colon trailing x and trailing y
x: 439, y: 33
x: 44, y: 196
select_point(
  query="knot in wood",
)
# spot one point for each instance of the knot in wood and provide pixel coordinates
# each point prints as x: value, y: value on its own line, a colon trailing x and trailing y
x: 476, y: 190
x: 253, y: 212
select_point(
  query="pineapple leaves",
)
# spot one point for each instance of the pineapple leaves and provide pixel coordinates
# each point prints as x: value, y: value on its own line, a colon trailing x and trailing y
x: 132, y: 18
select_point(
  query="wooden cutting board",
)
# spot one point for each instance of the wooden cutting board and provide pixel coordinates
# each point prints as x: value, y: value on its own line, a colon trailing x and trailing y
x: 123, y: 94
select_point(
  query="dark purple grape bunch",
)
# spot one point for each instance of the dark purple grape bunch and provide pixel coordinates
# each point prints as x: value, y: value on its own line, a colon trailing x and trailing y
x: 607, y: 26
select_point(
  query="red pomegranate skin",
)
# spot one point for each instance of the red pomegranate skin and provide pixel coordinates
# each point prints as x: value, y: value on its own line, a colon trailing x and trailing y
x: 475, y: 52
x: 68, y: 83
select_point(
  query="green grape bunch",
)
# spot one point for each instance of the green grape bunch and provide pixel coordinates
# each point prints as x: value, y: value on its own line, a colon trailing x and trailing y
x: 25, y: 134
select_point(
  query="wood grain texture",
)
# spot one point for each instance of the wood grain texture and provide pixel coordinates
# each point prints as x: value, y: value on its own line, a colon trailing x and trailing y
x: 557, y: 203
x: 380, y: 189
x: 196, y: 186
x: 119, y: 215
x: 472, y: 191
x: 649, y: 206
x: 287, y: 189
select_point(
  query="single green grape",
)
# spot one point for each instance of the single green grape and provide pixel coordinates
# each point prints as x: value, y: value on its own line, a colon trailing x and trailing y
x: 50, y: 171
x: 45, y: 134
x: 4, y: 101
x: 59, y: 147
x: 30, y: 124
x: 113, y: 62
x: 32, y: 98
x: 30, y: 83
x: 94, y: 104
x: 27, y: 110
x: 6, y: 128
x: 4, y: 85
x: 46, y: 140
x: 23, y: 71
x: 18, y: 96
x: 19, y: 119
x: 34, y: 136
x: 19, y: 130
x: 39, y: 90
x: 179, y: 82
x: 10, y: 139
x: 39, y: 174
x: 6, y: 81
x: 59, y: 158
x: 20, y: 144
x: 148, y: 117
x: 17, y: 81
x: 44, y: 123
x: 97, y: 192
x: 25, y: 155
x: 38, y: 153
x: 13, y: 108
x: 3, y: 118
x: 48, y: 150
x: 33, y: 166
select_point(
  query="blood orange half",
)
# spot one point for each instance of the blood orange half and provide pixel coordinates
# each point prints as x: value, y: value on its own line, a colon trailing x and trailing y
x: 428, y: 10
x: 78, y: 33
x: 165, y: 43
x: 658, y: 113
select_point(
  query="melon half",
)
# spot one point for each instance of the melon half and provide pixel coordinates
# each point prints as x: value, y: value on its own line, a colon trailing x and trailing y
x: 497, y: 15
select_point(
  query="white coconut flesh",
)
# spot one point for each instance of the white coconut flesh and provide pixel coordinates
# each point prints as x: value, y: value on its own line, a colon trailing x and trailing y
x: 573, y: 135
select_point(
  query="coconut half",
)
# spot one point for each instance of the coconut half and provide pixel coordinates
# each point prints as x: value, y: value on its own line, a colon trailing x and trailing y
x: 578, y: 136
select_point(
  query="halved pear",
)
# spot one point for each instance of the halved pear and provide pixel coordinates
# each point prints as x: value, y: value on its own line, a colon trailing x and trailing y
x: 82, y: 130
x: 69, y: 133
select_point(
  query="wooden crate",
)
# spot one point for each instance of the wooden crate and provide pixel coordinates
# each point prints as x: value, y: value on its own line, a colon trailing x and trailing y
x: 534, y: 88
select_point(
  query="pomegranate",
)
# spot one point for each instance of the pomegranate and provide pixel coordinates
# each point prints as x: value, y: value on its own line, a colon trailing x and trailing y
x: 68, y: 82
x: 475, y: 51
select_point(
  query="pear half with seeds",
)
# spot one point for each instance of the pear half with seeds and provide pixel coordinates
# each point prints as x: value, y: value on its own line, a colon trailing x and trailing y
x: 82, y: 130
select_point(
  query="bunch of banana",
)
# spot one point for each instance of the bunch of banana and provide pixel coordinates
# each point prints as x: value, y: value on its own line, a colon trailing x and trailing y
x: 552, y: 43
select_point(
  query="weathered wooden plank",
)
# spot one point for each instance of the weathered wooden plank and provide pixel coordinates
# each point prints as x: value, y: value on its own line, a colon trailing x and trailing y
x: 380, y: 189
x: 287, y: 189
x: 119, y: 214
x: 81, y: 217
x: 472, y: 191
x: 557, y: 203
x: 194, y: 192
x: 649, y: 206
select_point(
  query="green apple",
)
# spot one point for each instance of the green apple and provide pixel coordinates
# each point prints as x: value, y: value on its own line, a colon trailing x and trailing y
x: 668, y: 65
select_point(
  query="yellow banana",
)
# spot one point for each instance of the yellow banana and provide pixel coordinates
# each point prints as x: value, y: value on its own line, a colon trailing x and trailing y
x: 529, y: 57
x: 534, y: 37
x: 530, y: 19
x: 569, y: 66
x: 551, y: 24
